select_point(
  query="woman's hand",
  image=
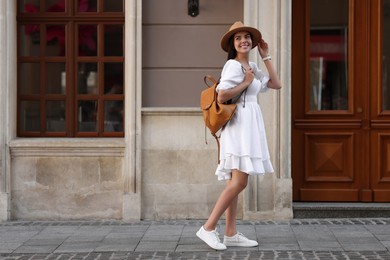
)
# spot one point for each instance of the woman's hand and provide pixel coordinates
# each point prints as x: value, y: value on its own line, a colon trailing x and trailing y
x: 249, y: 76
x: 262, y: 46
x: 274, y: 81
x: 226, y: 94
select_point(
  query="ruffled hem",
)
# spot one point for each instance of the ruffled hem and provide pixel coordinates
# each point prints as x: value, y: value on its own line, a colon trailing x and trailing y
x: 251, y: 166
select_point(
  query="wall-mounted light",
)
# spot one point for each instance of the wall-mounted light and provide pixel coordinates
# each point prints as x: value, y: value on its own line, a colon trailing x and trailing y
x: 193, y: 7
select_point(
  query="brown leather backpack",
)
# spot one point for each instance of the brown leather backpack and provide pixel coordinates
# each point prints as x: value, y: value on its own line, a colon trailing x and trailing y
x: 215, y: 114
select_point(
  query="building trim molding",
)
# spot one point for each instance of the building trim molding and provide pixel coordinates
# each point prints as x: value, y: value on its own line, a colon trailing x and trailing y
x: 133, y: 97
x: 71, y: 147
x: 271, y: 197
x: 8, y: 99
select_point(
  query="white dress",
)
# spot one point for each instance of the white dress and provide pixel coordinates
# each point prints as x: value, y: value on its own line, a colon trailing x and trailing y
x: 243, y: 140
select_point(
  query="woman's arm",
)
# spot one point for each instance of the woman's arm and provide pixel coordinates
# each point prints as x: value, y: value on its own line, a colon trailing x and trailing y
x: 274, y: 81
x: 227, y: 94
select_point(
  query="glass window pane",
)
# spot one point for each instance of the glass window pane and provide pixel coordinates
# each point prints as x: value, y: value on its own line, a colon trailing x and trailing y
x: 29, y: 78
x: 87, y: 40
x: 87, y: 6
x: 113, y: 40
x: 55, y: 116
x: 55, y: 5
x: 55, y: 40
x: 113, y: 116
x: 88, y: 82
x: 29, y: 6
x: 87, y: 116
x: 113, y: 78
x: 54, y: 78
x: 113, y: 6
x: 386, y: 55
x: 30, y: 40
x: 30, y: 116
x: 329, y: 55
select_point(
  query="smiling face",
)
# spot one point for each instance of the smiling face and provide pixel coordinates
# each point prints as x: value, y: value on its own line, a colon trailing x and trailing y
x: 242, y: 42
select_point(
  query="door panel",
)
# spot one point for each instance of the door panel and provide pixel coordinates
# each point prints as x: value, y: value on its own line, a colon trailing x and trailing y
x: 381, y: 163
x: 329, y: 157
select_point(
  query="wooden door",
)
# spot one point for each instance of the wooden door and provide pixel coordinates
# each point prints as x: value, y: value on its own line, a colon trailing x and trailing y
x: 340, y: 111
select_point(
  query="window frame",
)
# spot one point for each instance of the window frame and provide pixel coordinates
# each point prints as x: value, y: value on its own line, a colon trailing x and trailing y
x: 71, y: 18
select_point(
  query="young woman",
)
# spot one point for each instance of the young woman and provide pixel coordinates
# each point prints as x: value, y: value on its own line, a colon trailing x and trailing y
x: 244, y: 149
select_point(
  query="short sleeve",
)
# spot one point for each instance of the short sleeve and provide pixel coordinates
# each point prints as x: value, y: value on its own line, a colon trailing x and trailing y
x: 231, y: 75
x: 264, y: 79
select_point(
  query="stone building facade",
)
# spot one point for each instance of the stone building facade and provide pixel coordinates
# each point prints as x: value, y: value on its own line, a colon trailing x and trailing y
x: 161, y: 168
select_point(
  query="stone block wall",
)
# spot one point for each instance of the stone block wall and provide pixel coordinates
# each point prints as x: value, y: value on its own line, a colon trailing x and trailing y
x: 66, y: 187
x: 178, y: 167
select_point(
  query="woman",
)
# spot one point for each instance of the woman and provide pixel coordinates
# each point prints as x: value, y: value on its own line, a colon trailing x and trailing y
x: 244, y: 149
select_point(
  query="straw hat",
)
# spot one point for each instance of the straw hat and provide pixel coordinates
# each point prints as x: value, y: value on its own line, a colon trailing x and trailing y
x: 239, y: 27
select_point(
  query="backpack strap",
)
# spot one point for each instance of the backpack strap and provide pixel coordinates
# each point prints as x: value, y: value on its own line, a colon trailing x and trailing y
x: 219, y: 147
x: 208, y: 77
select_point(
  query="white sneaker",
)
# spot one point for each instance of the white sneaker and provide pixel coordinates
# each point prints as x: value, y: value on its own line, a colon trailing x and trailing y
x: 211, y: 238
x: 239, y: 240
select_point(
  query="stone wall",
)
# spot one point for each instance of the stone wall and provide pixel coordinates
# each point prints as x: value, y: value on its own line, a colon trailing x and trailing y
x: 79, y: 179
x: 67, y: 188
x: 178, y: 167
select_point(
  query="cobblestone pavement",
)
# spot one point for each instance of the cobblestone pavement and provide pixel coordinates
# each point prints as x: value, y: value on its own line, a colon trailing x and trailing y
x: 294, y: 239
x: 236, y: 255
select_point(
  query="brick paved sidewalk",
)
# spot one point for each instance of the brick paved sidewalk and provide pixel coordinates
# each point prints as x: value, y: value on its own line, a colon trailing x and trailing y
x: 294, y: 239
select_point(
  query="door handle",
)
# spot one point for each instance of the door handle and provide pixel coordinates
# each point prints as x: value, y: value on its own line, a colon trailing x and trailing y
x: 359, y: 109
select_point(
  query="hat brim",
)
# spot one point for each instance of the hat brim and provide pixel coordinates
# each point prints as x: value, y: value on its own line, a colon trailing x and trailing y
x: 256, y: 36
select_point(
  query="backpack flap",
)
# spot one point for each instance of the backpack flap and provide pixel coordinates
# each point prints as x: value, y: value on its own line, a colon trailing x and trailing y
x: 207, y: 98
x: 208, y: 95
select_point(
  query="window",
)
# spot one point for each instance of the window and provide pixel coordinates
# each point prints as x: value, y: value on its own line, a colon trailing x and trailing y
x: 329, y: 55
x: 386, y: 54
x: 70, y: 68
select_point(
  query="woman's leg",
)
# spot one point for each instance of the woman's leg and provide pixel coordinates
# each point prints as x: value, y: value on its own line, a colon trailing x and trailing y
x: 231, y: 214
x: 227, y: 199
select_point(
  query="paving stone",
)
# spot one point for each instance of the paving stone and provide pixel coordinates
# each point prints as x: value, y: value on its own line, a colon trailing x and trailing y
x: 36, y: 249
x: 274, y: 233
x: 287, y: 246
x: 347, y: 231
x: 134, y: 231
x: 313, y: 233
x: 44, y: 241
x: 193, y: 248
x: 84, y: 238
x: 9, y: 247
x: 352, y: 246
x: 156, y: 246
x: 386, y: 244
x: 164, y: 230
x: 17, y: 236
x: 77, y: 247
x: 320, y: 245
x: 117, y: 247
x: 59, y: 230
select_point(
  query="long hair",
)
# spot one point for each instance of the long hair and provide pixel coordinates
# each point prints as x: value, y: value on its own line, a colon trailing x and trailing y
x: 232, y: 53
